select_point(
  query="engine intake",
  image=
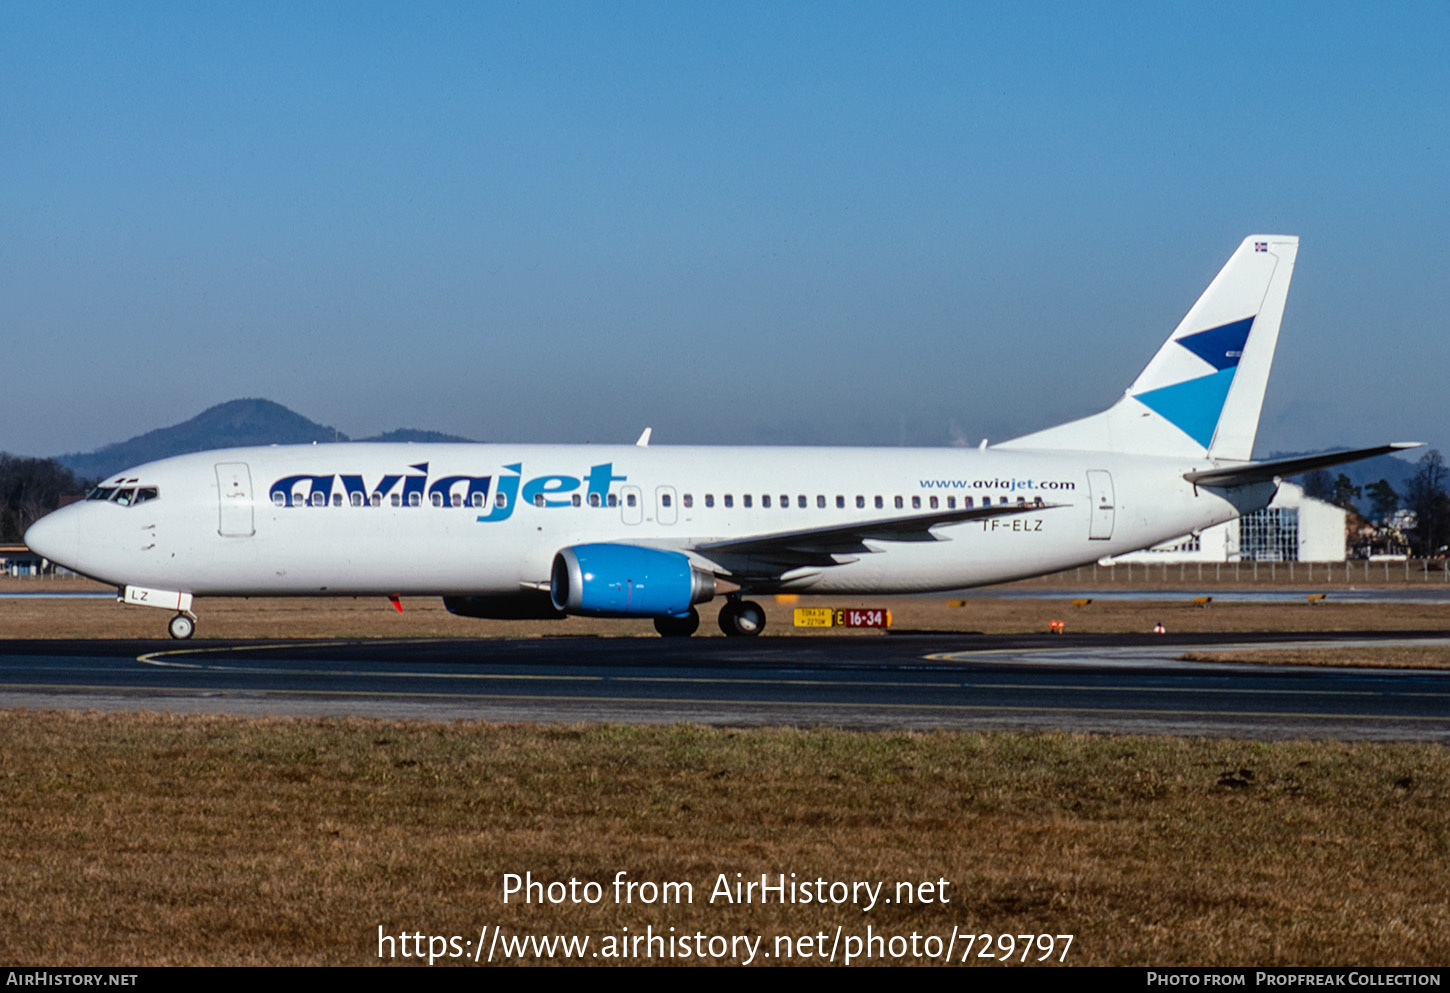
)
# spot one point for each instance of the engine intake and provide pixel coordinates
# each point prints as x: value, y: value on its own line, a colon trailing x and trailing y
x: 606, y: 580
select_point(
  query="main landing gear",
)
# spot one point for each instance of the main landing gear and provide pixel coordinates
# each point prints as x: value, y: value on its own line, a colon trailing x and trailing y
x: 738, y: 619
x: 678, y: 627
x: 742, y: 619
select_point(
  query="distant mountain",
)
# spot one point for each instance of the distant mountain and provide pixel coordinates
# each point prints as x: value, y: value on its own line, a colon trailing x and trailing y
x: 233, y: 424
x: 1396, y: 471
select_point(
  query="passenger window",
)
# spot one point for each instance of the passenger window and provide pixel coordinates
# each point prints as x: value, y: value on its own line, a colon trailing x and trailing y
x: 538, y: 499
x: 916, y: 503
x: 500, y: 500
x: 665, y: 500
x: 457, y: 500
x: 629, y: 500
x: 785, y: 501
x: 614, y: 501
x: 357, y: 498
x: 298, y: 500
x: 729, y: 500
x: 1021, y: 501
x: 279, y: 499
x: 476, y: 500
x: 575, y: 501
x: 437, y: 499
x: 967, y: 502
x: 397, y: 501
x: 377, y: 499
x: 900, y: 503
x: 765, y: 500
x: 880, y: 503
x: 860, y: 502
x: 840, y: 502
x: 709, y: 500
x: 337, y: 499
x: 932, y: 503
x: 951, y: 503
x: 746, y: 498
x: 689, y: 501
x: 594, y: 499
x: 414, y: 499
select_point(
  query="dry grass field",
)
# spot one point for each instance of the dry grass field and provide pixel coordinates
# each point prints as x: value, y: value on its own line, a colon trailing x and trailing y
x: 1375, y: 657
x: 145, y: 839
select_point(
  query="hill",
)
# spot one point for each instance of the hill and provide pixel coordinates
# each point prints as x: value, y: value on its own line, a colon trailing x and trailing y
x: 233, y: 424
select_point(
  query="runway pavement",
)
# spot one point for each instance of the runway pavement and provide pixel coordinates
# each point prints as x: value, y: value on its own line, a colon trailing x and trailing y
x: 1092, y: 683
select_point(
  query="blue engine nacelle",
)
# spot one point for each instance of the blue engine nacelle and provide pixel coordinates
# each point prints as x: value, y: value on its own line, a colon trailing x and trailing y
x: 626, y: 581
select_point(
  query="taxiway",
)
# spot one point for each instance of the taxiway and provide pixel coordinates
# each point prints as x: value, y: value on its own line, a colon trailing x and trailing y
x: 1092, y: 683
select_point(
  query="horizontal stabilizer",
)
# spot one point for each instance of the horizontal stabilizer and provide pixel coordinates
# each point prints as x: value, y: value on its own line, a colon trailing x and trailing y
x: 1258, y: 472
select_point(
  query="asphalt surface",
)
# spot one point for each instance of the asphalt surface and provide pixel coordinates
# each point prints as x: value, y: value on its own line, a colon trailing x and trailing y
x: 1093, y: 683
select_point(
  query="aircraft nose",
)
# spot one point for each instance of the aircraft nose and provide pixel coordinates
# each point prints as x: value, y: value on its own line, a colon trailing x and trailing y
x: 56, y: 536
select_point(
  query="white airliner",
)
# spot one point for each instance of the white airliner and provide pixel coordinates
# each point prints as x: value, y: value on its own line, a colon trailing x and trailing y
x: 531, y: 531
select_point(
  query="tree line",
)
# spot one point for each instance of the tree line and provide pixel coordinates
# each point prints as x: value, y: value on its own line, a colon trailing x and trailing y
x: 1426, y: 497
x: 30, y: 488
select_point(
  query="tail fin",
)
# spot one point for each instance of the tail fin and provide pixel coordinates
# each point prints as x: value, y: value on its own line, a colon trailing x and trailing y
x: 1202, y: 393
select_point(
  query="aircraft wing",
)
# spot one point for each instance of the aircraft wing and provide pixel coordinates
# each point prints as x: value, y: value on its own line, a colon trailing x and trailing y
x: 1258, y: 472
x: 819, y: 546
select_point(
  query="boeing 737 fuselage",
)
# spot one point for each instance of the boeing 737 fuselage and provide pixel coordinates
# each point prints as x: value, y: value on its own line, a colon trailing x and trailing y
x: 530, y: 531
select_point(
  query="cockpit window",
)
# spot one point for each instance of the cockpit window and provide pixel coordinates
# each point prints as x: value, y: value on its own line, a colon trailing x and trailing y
x: 126, y: 496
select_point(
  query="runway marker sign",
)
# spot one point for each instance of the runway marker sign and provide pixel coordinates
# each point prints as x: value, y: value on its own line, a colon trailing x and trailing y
x: 851, y: 617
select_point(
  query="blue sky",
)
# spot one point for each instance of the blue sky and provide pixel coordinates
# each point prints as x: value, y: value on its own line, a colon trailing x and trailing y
x: 827, y: 223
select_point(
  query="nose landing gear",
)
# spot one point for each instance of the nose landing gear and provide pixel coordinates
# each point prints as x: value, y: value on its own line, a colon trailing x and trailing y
x: 182, y: 626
